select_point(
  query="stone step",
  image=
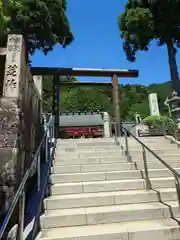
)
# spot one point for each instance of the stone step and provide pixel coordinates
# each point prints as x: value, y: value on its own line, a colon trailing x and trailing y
x: 88, y: 149
x: 90, y: 153
x: 108, y: 198
x: 115, y: 152
x: 110, y: 166
x: 149, y: 138
x: 117, y: 159
x: 159, y: 152
x: 135, y: 143
x: 118, y: 154
x: 89, y: 160
x: 158, y: 173
x: 99, y: 186
x: 154, y: 145
x: 171, y: 156
x: 105, y: 214
x: 159, y: 229
x: 175, y: 208
x: 110, y: 185
x: 82, y: 144
x: 162, y: 182
x: 97, y: 176
x: 163, y: 147
x: 158, y: 165
x: 92, y: 167
x: 114, y: 175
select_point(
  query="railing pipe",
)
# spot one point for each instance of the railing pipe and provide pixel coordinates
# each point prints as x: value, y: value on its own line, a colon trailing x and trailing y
x: 21, y: 216
x: 127, y: 147
x: 46, y: 148
x: 147, y: 181
x: 177, y: 184
x: 38, y: 171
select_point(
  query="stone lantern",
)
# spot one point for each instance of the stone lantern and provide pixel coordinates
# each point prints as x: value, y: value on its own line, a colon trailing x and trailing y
x: 173, y: 104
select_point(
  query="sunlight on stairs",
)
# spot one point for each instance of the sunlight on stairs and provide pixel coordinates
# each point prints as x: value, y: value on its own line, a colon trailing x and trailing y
x: 96, y: 194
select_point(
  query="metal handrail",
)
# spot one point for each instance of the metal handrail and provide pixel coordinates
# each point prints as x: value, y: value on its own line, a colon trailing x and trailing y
x: 153, y: 153
x: 20, y: 190
x: 144, y: 148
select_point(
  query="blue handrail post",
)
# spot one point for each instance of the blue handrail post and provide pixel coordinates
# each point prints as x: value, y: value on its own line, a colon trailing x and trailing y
x: 21, y: 216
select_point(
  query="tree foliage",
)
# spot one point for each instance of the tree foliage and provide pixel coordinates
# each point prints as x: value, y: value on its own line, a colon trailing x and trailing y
x: 47, y: 83
x: 85, y: 99
x: 147, y: 20
x: 133, y: 98
x: 162, y: 123
x: 42, y: 22
x: 4, y: 24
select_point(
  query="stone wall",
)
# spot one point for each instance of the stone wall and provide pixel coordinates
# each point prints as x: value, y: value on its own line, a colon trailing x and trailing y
x: 20, y: 121
x: 8, y: 153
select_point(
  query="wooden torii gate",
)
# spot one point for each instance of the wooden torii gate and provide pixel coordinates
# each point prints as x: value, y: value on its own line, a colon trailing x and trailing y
x: 113, y: 73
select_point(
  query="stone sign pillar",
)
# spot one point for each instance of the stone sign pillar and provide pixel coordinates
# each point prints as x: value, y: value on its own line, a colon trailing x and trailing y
x: 153, y: 105
x: 15, y: 57
x: 107, y: 125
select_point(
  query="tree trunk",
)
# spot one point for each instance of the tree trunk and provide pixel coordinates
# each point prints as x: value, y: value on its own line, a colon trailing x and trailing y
x: 173, y: 66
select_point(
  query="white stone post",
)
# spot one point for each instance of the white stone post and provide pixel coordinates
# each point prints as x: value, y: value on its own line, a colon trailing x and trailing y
x: 138, y: 118
x: 153, y: 105
x: 107, y: 125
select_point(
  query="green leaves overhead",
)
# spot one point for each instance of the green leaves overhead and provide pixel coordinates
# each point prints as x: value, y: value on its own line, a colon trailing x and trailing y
x: 42, y: 22
x: 4, y: 24
x: 145, y: 20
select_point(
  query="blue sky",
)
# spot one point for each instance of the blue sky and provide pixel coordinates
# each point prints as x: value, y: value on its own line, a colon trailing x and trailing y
x: 98, y: 45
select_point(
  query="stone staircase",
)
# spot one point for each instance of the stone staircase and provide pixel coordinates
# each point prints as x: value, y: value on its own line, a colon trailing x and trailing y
x: 96, y: 194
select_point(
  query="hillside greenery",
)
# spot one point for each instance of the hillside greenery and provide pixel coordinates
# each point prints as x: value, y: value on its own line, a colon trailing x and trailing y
x: 133, y: 98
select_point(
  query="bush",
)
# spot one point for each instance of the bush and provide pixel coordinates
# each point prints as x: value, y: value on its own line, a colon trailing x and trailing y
x: 160, y: 123
x: 63, y: 134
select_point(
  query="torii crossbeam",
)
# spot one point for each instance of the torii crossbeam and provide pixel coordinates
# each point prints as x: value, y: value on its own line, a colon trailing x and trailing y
x: 88, y: 72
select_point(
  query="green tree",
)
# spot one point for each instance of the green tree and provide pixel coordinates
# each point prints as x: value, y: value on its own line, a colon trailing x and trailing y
x: 85, y: 99
x: 42, y: 22
x: 4, y: 22
x: 141, y: 108
x: 147, y: 20
x: 48, y: 90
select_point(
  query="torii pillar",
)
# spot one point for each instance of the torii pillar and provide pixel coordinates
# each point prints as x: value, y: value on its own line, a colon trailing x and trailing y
x: 116, y: 105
